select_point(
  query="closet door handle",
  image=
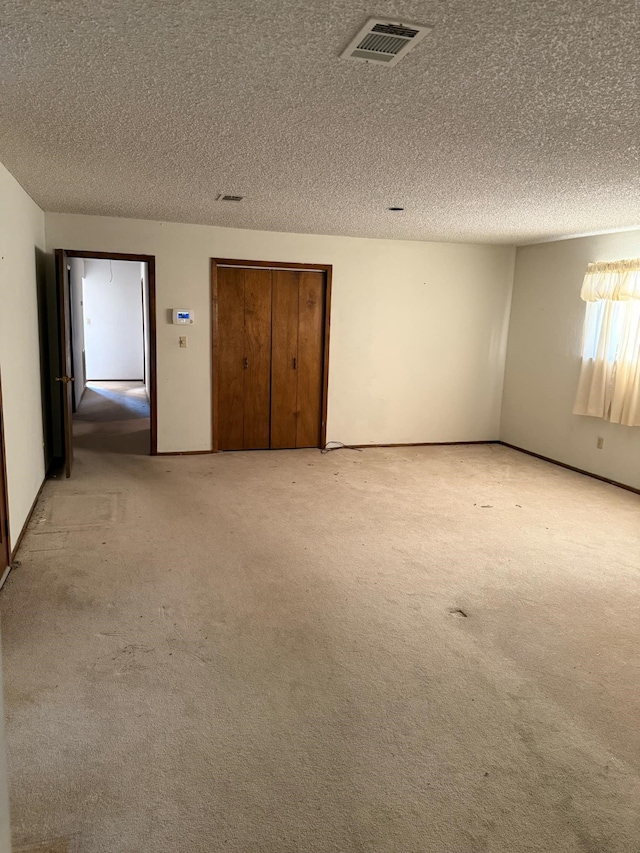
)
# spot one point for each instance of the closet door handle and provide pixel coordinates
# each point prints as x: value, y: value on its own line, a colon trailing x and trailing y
x: 295, y: 363
x: 245, y: 363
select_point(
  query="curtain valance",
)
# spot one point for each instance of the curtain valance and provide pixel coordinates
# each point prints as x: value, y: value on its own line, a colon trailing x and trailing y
x: 617, y: 281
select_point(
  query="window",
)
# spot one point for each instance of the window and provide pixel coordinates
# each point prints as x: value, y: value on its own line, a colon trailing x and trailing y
x: 609, y: 385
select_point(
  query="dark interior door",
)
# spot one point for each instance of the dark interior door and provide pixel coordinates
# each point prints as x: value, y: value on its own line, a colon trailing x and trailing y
x: 65, y: 378
x: 4, y: 503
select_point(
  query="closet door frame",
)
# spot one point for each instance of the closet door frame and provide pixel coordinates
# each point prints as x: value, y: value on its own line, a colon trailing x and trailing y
x: 327, y: 269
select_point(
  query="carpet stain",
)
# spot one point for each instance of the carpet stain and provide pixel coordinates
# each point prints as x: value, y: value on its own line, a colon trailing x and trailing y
x: 58, y: 845
x: 83, y: 510
x: 46, y: 541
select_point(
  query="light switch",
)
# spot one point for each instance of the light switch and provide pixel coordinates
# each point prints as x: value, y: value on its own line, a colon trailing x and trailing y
x: 183, y: 341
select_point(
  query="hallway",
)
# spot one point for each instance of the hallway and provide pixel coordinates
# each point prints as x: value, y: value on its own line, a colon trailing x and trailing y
x: 114, y: 417
x: 407, y: 650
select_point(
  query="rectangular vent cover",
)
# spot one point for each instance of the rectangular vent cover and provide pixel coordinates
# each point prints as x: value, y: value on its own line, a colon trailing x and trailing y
x: 224, y: 197
x: 382, y: 41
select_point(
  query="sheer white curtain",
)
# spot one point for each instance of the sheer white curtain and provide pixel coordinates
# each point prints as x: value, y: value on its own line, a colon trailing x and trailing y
x: 609, y: 385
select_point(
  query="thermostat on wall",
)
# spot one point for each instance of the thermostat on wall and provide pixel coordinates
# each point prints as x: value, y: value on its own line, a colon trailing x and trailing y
x: 182, y: 318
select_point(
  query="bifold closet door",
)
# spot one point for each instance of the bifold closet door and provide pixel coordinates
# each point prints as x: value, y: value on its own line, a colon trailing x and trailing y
x: 297, y: 358
x: 311, y: 299
x: 244, y: 358
x: 257, y: 373
x: 230, y: 372
x: 284, y: 359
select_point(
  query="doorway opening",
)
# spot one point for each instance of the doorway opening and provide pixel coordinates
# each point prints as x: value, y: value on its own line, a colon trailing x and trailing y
x: 107, y: 349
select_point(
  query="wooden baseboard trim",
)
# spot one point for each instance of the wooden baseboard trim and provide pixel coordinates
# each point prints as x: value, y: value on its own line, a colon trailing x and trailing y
x: 426, y: 444
x: 16, y: 547
x: 358, y: 446
x: 183, y: 452
x: 572, y: 468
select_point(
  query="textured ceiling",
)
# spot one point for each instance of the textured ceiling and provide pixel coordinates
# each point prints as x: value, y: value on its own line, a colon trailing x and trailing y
x: 513, y: 121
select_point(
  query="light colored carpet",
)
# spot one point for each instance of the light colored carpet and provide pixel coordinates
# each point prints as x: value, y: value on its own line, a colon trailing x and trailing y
x: 265, y: 652
x: 59, y: 845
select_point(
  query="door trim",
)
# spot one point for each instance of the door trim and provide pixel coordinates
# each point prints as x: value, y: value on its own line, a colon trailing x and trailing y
x: 65, y: 355
x: 4, y: 493
x: 269, y: 265
x: 150, y: 261
x: 327, y: 269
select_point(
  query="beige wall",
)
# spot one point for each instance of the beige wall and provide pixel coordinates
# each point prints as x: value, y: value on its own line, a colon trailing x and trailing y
x: 418, y: 330
x: 543, y: 360
x: 21, y: 233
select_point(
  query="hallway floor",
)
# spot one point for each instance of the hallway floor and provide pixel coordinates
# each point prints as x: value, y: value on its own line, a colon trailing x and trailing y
x: 408, y: 650
x: 113, y: 417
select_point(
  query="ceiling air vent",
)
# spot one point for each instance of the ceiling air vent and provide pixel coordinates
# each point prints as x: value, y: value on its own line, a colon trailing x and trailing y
x: 225, y: 197
x: 382, y: 41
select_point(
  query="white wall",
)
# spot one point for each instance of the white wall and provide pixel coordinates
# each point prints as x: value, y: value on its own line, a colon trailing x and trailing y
x: 21, y: 234
x: 77, y: 327
x: 418, y: 330
x: 144, y: 277
x: 113, y: 336
x: 543, y: 361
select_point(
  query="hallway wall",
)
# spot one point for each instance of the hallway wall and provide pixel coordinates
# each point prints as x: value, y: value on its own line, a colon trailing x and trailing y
x: 418, y: 330
x: 113, y: 327
x: 21, y: 246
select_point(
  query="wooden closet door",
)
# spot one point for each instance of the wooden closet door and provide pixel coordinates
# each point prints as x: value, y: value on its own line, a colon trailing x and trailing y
x: 284, y: 359
x: 311, y: 292
x: 268, y: 357
x: 230, y: 359
x: 257, y: 367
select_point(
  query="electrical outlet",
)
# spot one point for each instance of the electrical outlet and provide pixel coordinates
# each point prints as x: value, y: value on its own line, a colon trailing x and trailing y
x: 600, y: 442
x: 183, y: 341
